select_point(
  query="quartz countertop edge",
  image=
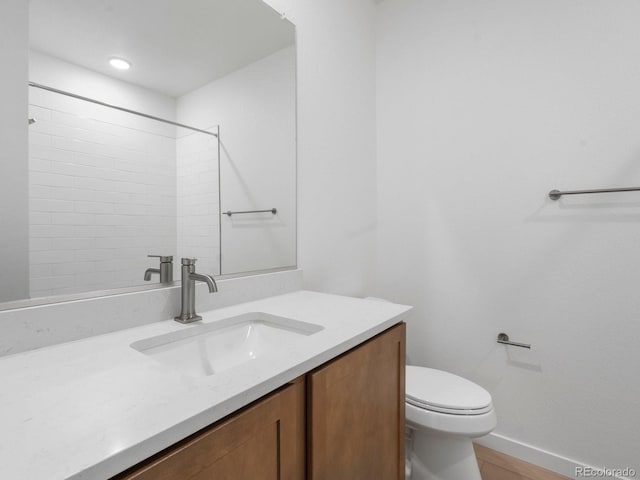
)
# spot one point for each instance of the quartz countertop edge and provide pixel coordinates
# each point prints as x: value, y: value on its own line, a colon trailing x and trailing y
x: 92, y: 408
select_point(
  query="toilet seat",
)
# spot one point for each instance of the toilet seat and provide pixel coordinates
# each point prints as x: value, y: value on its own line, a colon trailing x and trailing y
x: 444, y: 392
x: 449, y: 411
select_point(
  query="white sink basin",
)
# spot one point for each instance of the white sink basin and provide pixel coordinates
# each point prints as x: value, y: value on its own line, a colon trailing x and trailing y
x: 206, y: 349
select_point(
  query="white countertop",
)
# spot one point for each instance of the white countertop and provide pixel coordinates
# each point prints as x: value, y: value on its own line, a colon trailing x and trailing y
x: 92, y: 408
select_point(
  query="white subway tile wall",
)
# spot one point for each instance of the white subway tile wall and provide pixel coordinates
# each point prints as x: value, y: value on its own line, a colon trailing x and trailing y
x: 102, y: 194
x: 198, y: 203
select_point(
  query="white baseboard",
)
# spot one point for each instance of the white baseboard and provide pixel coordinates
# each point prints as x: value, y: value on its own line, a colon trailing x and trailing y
x: 537, y: 456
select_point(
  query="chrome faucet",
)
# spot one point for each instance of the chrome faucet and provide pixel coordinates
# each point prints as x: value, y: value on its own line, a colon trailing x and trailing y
x: 189, y: 276
x: 165, y: 271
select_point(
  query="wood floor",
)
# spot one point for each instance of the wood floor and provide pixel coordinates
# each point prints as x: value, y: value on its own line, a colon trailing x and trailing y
x: 498, y: 466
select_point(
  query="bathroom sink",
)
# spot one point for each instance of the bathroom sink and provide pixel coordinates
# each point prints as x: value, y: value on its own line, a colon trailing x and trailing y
x: 211, y: 348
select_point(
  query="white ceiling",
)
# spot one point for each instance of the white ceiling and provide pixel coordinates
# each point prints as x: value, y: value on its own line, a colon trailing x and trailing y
x: 175, y: 46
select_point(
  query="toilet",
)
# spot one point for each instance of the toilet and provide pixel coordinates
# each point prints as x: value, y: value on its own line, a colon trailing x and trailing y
x: 443, y: 413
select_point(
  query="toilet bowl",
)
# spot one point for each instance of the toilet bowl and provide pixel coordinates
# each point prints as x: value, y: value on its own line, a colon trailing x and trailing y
x: 443, y: 413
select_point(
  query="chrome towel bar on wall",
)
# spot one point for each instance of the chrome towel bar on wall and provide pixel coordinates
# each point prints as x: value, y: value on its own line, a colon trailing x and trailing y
x: 504, y: 339
x: 229, y: 212
x: 556, y: 194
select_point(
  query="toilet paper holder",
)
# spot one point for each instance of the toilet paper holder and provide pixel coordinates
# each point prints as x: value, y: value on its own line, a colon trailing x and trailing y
x: 504, y: 339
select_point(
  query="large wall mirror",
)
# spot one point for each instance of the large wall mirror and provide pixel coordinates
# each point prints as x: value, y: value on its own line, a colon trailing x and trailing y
x: 157, y: 128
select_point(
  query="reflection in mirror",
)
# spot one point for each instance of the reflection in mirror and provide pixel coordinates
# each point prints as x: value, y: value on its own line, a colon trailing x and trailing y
x: 108, y: 187
x: 105, y: 188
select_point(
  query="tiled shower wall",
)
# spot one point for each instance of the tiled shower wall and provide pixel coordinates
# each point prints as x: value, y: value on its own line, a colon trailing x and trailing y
x: 102, y: 195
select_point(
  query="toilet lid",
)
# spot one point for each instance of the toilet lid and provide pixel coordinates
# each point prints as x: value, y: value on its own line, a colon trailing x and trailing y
x: 445, y: 392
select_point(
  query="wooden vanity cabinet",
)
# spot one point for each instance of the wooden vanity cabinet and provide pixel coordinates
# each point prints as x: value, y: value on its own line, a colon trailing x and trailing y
x: 344, y: 420
x: 355, y: 412
x: 265, y: 441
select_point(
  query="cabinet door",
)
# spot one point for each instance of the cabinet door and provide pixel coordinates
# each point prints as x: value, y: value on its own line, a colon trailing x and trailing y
x: 263, y: 442
x: 356, y: 412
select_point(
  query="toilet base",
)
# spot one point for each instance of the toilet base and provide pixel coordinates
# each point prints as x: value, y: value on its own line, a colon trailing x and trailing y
x: 441, y: 456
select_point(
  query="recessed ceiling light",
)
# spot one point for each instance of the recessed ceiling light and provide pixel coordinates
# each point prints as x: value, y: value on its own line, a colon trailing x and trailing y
x: 119, y: 63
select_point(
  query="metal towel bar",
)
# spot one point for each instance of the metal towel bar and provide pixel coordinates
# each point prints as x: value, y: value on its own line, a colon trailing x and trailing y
x: 556, y: 194
x: 504, y: 339
x: 229, y: 212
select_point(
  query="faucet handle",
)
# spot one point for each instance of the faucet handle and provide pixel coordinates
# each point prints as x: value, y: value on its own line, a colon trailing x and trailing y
x: 189, y: 261
x: 163, y: 258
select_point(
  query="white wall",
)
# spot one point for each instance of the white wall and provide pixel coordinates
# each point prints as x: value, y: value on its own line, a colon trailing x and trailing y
x: 336, y: 142
x: 102, y: 186
x: 14, y: 273
x: 255, y: 108
x: 483, y: 107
